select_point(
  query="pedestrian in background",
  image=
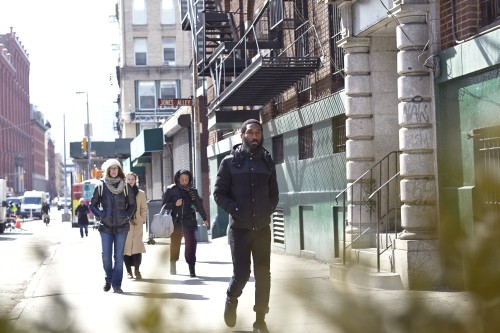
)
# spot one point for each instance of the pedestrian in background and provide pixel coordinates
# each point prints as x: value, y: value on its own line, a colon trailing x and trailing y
x: 113, y: 204
x: 247, y: 189
x: 134, y: 246
x: 183, y: 201
x: 82, y: 212
x: 45, y: 210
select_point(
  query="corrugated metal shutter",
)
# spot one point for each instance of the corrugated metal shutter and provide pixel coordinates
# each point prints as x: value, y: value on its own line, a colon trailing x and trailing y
x: 181, y: 151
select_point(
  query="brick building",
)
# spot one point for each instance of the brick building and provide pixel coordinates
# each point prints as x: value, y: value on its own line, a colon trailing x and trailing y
x: 16, y: 158
x: 22, y: 126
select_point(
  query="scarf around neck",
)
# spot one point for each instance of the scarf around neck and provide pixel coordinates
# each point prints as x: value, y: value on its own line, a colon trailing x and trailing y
x: 115, y: 185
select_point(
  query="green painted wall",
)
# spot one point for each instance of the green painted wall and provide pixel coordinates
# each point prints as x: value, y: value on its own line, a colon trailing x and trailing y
x: 468, y: 98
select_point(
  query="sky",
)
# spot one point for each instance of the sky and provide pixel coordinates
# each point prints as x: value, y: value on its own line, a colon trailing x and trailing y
x: 69, y: 45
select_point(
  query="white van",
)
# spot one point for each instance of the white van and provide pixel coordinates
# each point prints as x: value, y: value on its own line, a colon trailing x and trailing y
x: 32, y: 204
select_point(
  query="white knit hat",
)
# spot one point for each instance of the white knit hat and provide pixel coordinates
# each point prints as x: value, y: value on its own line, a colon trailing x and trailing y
x: 109, y: 163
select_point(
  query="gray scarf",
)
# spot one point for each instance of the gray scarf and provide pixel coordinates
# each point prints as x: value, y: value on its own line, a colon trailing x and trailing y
x: 115, y: 185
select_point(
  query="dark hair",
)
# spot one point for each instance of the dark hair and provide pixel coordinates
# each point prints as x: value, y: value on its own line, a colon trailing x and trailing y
x: 178, y: 174
x: 243, y: 127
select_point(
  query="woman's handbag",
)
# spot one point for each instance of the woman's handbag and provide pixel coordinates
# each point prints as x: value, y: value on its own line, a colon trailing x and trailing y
x: 162, y: 225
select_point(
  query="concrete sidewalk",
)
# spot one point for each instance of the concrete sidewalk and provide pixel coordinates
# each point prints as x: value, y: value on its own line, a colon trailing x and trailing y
x: 67, y: 293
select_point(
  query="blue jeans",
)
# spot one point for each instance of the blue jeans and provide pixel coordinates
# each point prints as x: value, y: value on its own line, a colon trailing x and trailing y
x: 247, y: 244
x: 84, y: 228
x: 112, y: 247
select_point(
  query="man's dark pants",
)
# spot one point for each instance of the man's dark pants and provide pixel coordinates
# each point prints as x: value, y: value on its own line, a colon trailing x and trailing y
x: 245, y: 243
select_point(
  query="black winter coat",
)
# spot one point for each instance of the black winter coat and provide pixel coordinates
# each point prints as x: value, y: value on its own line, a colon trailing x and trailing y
x: 186, y: 213
x: 81, y: 211
x: 246, y: 187
x: 117, y: 209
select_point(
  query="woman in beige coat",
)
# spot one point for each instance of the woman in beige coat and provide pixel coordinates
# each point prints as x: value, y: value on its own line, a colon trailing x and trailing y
x: 134, y: 245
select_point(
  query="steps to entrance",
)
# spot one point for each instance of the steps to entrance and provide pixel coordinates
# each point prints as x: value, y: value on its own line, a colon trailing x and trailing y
x: 363, y: 276
x: 361, y: 269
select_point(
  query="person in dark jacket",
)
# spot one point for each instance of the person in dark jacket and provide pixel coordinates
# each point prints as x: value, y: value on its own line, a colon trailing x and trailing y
x: 183, y: 201
x: 113, y: 204
x: 247, y: 189
x: 83, y: 220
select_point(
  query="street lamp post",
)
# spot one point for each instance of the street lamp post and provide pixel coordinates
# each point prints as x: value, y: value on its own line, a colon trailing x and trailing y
x: 89, y: 144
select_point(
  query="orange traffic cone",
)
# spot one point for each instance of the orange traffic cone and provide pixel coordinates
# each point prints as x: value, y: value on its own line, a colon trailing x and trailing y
x: 18, y: 222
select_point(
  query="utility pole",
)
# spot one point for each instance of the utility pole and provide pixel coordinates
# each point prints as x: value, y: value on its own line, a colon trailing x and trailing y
x: 87, y: 134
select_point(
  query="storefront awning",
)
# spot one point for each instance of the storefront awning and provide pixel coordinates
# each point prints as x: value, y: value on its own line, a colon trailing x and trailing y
x: 148, y: 141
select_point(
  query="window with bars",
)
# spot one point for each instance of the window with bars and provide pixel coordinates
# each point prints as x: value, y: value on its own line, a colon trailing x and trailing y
x: 339, y: 137
x: 490, y: 12
x: 306, y: 143
x: 278, y: 155
x: 336, y: 53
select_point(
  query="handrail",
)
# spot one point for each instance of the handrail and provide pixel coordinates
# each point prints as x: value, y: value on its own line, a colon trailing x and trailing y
x: 379, y: 173
x: 367, y: 171
x: 379, y: 217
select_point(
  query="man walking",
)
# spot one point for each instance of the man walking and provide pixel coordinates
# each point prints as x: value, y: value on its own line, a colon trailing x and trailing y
x: 247, y: 189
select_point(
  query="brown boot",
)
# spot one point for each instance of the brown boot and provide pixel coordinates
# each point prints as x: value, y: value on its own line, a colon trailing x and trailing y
x: 138, y: 275
x: 129, y: 273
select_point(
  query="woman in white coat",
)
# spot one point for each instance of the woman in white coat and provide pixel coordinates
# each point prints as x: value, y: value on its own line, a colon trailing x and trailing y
x: 134, y: 245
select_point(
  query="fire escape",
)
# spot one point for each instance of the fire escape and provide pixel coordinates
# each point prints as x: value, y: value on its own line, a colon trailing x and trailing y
x: 248, y: 68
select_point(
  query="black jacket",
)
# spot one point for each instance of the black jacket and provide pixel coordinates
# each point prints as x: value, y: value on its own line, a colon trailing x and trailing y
x: 81, y: 211
x: 191, y: 203
x: 246, y: 188
x: 117, y: 209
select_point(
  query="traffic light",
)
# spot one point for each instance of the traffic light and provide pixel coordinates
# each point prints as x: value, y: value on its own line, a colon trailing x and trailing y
x: 84, y: 145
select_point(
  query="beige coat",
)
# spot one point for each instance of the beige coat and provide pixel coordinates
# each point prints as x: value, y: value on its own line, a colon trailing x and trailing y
x: 134, y: 243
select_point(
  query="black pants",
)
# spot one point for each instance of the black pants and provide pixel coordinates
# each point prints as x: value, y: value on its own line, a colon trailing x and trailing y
x: 133, y: 260
x: 246, y: 243
x: 190, y: 244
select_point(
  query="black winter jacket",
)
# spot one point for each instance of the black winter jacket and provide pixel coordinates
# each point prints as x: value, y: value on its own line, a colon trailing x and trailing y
x: 246, y: 187
x: 186, y: 213
x: 81, y: 211
x: 117, y: 209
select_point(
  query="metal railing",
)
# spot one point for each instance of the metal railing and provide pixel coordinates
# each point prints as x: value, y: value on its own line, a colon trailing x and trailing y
x: 377, y: 188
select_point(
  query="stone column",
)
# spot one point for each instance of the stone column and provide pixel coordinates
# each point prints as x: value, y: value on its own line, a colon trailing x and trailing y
x: 416, y: 251
x: 359, y: 132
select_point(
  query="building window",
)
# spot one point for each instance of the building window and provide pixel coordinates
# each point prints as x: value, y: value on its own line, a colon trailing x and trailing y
x: 278, y: 155
x: 490, y: 12
x: 336, y: 53
x: 305, y: 143
x: 167, y: 12
x: 139, y: 15
x: 147, y: 95
x: 168, y: 89
x: 338, y: 130
x: 141, y: 51
x: 169, y: 51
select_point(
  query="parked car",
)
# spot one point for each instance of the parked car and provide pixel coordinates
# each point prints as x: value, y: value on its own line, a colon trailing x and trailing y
x: 64, y: 202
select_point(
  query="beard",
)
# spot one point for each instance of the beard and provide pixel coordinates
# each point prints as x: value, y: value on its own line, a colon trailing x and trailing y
x: 252, y: 145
